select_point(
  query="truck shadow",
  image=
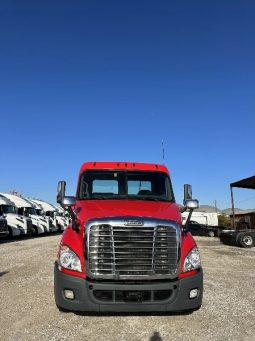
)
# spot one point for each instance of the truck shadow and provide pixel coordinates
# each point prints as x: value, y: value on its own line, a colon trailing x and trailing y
x: 3, y: 273
x: 125, y: 314
x: 156, y: 337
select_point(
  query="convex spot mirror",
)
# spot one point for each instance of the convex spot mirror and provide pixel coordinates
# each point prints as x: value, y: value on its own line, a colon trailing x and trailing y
x: 68, y: 201
x: 192, y: 204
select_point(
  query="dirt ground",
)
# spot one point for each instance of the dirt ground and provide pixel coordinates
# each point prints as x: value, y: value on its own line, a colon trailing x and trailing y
x: 28, y: 310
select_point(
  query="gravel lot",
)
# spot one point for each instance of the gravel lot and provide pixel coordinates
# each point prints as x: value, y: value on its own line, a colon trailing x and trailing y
x: 28, y: 310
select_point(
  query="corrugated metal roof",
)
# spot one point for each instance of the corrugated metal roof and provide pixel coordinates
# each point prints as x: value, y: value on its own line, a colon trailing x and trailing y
x: 247, y: 212
x: 245, y: 183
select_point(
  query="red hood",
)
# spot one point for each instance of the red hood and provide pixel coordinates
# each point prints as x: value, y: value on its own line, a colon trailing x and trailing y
x: 109, y: 208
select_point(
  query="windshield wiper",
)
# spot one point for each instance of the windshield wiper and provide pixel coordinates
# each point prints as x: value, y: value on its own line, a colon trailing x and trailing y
x: 104, y: 197
x: 147, y: 198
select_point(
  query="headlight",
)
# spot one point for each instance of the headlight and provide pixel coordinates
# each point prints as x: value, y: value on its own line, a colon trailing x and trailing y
x: 192, y: 260
x: 68, y: 259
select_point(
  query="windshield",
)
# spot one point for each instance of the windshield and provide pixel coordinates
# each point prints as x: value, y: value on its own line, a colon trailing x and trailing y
x: 39, y: 211
x: 49, y: 214
x: 8, y: 209
x: 133, y: 185
x: 31, y: 210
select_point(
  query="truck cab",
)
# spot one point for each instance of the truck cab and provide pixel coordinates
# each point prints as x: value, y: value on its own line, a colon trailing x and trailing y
x: 17, y: 223
x: 41, y: 223
x: 197, y: 229
x: 49, y: 212
x: 3, y: 226
x: 27, y: 210
x: 126, y: 248
x: 61, y: 217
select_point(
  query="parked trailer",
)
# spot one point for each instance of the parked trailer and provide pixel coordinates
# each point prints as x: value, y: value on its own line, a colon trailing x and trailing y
x: 204, y: 218
x: 240, y: 234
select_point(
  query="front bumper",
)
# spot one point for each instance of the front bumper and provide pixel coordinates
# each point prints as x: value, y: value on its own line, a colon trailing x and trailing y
x: 4, y: 233
x: 118, y: 297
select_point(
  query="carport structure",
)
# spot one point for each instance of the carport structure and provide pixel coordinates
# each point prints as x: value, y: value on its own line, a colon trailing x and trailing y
x: 248, y: 183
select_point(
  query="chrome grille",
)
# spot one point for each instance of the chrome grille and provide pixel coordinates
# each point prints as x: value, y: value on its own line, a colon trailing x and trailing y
x: 29, y: 226
x: 3, y: 225
x: 117, y: 251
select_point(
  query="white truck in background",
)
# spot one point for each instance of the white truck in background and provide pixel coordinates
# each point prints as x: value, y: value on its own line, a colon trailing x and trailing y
x: 210, y: 219
x: 49, y: 211
x: 3, y: 226
x: 62, y: 217
x: 26, y: 209
x: 17, y: 223
x: 42, y: 222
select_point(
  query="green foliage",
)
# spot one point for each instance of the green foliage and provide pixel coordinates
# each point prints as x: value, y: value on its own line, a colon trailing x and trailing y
x: 224, y: 220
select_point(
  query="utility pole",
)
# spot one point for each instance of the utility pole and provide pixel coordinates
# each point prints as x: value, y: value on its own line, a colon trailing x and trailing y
x: 215, y: 205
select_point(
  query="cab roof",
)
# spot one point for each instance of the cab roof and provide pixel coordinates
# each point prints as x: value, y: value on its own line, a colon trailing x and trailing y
x: 123, y: 166
x: 5, y: 201
x: 18, y: 201
x: 45, y: 205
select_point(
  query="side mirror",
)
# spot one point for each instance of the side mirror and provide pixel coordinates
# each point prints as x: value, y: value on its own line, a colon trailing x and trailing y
x: 67, y: 204
x: 187, y: 193
x: 68, y: 201
x: 61, y: 191
x: 189, y: 203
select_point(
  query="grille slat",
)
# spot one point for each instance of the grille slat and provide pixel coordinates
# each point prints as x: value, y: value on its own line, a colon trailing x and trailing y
x: 3, y: 226
x: 116, y: 251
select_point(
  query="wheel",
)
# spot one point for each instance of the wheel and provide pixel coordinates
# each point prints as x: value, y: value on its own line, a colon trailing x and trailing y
x: 211, y: 233
x: 246, y: 240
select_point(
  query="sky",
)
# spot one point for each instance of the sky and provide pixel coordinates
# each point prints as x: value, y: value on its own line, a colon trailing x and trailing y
x: 109, y: 80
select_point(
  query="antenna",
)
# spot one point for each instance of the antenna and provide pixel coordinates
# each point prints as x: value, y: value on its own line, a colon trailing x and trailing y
x: 163, y: 151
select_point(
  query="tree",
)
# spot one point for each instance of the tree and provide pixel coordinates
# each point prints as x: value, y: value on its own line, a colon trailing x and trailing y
x: 224, y: 220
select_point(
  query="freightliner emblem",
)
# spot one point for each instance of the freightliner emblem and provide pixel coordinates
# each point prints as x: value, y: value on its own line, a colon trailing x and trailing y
x: 133, y: 222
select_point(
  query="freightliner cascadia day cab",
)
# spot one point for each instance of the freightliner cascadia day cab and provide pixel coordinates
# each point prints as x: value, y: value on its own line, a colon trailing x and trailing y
x: 62, y: 217
x: 26, y: 210
x: 126, y: 248
x: 49, y: 212
x: 17, y: 223
x: 40, y: 221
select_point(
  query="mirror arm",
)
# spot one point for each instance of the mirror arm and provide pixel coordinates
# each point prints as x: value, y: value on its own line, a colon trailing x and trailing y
x: 75, y: 224
x: 185, y: 227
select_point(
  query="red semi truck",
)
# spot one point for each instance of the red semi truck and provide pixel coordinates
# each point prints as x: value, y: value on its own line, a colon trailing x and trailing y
x: 126, y: 249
